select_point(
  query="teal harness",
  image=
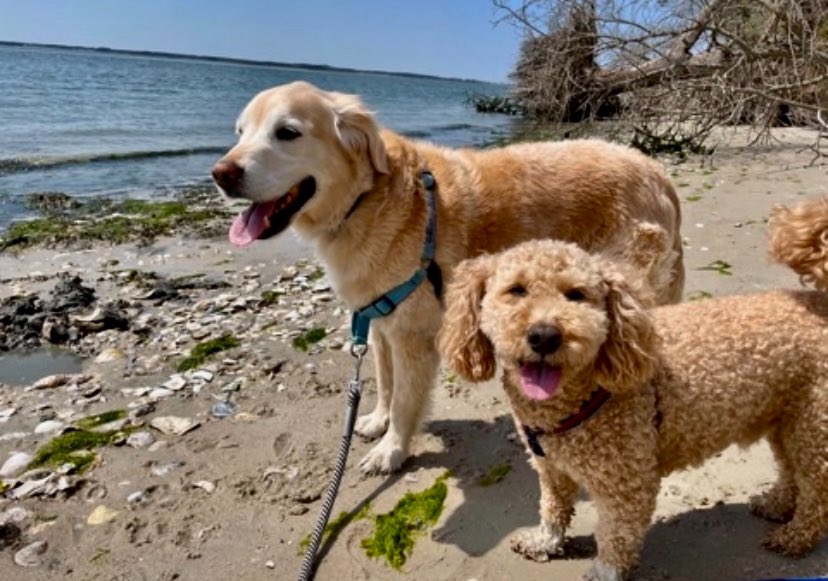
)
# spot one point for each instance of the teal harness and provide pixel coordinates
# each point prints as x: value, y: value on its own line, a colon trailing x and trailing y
x: 429, y: 270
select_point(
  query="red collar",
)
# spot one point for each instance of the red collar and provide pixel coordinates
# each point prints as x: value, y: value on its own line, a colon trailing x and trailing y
x: 598, y: 398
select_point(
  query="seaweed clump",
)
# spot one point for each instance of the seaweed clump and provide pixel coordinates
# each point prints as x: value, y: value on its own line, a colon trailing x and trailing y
x: 395, y: 532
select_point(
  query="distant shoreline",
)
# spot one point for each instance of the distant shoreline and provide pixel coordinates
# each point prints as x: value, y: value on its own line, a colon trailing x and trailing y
x: 231, y: 60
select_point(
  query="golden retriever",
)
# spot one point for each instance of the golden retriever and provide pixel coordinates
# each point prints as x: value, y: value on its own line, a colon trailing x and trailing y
x: 318, y: 161
x: 613, y: 396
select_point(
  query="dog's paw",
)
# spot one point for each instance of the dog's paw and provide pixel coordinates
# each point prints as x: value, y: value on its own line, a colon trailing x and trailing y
x: 538, y: 544
x: 770, y: 506
x: 600, y: 571
x: 384, y: 458
x: 371, y: 425
x: 790, y: 541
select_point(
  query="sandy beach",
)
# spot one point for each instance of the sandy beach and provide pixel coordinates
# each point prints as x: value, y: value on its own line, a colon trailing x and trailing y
x: 233, y: 496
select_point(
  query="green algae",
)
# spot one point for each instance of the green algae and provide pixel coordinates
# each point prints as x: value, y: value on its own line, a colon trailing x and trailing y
x: 270, y: 298
x: 100, y: 419
x: 76, y: 224
x: 304, y: 341
x: 73, y: 448
x: 335, y: 527
x: 395, y: 532
x: 495, y: 475
x: 718, y: 266
x: 699, y: 295
x: 202, y: 351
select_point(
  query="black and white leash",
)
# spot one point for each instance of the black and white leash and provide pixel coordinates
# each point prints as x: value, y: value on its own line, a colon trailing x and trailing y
x: 354, y: 394
x: 360, y: 324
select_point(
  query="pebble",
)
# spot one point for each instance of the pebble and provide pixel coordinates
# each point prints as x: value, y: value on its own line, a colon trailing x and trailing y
x: 270, y: 564
x: 175, y: 382
x: 51, y: 381
x: 245, y: 417
x: 6, y: 413
x: 164, y: 469
x: 91, y: 391
x: 223, y: 409
x: 141, y: 409
x: 234, y: 385
x: 205, y: 485
x: 160, y: 393
x: 202, y: 375
x: 48, y: 426
x: 173, y: 425
x: 137, y: 496
x: 102, y: 514
x: 15, y: 465
x: 159, y: 445
x: 109, y: 355
x: 15, y: 514
x: 31, y: 555
x: 141, y: 439
x: 12, y: 436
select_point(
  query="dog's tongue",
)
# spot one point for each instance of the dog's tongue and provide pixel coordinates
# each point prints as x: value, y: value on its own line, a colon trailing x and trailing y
x: 250, y: 224
x: 539, y: 381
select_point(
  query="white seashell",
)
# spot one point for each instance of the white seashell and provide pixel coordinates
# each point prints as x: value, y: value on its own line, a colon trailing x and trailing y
x: 205, y: 485
x: 31, y: 555
x: 173, y: 425
x: 15, y: 465
x: 140, y: 440
x: 160, y: 393
x: 48, y: 426
x: 102, y: 514
x: 175, y: 382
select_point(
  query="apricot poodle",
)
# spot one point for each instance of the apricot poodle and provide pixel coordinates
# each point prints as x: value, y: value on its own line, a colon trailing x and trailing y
x: 613, y: 396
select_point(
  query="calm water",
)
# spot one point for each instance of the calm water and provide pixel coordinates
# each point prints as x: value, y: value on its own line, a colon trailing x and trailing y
x: 29, y: 366
x: 88, y: 123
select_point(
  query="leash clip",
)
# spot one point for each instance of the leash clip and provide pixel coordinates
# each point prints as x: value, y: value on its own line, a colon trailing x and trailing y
x: 358, y: 352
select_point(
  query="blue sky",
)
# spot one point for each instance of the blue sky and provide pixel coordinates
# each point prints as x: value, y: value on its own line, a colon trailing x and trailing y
x: 442, y: 37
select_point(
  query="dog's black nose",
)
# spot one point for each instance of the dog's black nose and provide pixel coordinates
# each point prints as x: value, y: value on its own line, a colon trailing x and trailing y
x: 544, y: 339
x: 227, y: 175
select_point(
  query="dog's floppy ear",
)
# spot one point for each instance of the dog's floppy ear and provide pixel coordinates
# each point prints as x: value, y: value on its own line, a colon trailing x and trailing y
x: 627, y: 357
x: 358, y: 130
x: 468, y: 351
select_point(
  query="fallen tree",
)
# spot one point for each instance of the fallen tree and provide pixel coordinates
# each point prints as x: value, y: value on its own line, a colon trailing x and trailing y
x: 680, y: 65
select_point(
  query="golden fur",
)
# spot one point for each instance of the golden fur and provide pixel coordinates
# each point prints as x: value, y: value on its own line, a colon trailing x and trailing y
x: 589, y: 192
x: 686, y: 381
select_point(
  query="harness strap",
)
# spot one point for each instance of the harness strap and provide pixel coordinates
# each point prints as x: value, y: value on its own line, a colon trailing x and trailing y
x: 385, y: 305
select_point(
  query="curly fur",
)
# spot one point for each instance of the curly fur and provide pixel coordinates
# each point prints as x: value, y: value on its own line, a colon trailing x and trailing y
x: 799, y: 239
x: 686, y: 381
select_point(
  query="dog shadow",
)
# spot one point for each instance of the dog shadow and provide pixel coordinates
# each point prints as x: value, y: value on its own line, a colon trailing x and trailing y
x: 500, y: 489
x: 720, y: 542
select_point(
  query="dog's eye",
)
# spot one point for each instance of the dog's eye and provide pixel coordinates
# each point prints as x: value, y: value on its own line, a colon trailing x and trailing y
x: 287, y: 134
x: 517, y: 290
x: 575, y: 295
